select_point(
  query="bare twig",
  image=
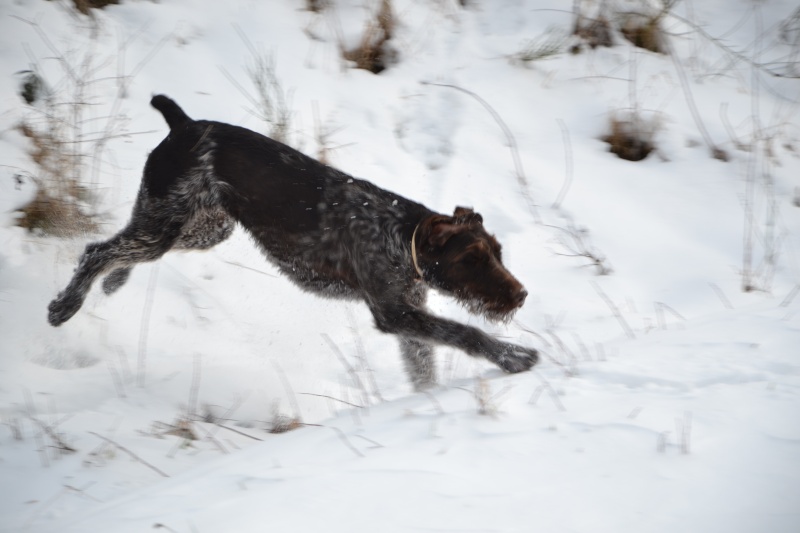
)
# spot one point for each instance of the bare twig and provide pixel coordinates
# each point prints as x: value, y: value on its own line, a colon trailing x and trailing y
x: 194, y: 388
x: 434, y: 401
x: 574, y: 242
x: 55, y: 437
x: 210, y: 436
x: 345, y: 440
x: 144, y: 326
x: 721, y: 295
x: 545, y: 385
x: 716, y: 152
x: 362, y: 356
x: 240, y: 432
x: 234, y: 263
x: 289, y: 390
x: 571, y: 366
x: 115, y: 377
x: 350, y: 370
x: 569, y: 165
x: 331, y: 398
x: 375, y: 444
x: 522, y: 180
x: 789, y: 297
x: 684, y: 431
x: 30, y: 411
x: 615, y: 311
x: 660, y: 308
x: 738, y: 56
x: 130, y: 453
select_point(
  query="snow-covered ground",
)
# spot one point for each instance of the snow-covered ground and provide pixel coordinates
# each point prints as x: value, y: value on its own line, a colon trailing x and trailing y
x: 667, y: 398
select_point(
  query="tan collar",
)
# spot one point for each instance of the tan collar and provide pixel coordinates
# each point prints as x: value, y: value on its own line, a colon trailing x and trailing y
x: 414, y: 253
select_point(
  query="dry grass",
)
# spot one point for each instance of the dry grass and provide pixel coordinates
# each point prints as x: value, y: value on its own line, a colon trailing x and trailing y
x: 644, y: 32
x: 630, y: 137
x: 272, y: 102
x: 643, y: 26
x: 373, y: 52
x: 595, y: 24
x: 85, y: 6
x: 58, y: 207
x: 592, y: 31
x: 546, y: 46
x: 317, y: 6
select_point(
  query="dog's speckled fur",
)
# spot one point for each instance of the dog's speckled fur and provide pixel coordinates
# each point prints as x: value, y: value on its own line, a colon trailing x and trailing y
x: 328, y: 232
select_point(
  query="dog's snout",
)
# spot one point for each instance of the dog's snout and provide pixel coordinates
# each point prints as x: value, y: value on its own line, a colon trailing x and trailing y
x: 519, y: 299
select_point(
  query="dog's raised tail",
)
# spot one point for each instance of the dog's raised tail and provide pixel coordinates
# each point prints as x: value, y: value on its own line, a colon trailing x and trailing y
x: 172, y: 112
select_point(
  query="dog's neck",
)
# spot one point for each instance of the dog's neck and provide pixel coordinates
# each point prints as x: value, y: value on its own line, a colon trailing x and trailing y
x: 414, y: 253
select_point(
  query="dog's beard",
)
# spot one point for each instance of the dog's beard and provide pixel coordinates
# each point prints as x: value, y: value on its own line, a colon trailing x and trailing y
x: 491, y: 311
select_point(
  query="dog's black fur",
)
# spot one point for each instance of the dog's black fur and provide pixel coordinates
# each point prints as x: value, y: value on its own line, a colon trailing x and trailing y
x: 331, y: 234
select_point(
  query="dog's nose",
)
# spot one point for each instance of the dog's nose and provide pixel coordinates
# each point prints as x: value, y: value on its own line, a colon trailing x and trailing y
x: 520, y: 297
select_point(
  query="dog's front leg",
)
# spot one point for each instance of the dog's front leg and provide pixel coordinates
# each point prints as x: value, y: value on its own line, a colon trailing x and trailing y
x: 410, y: 322
x: 419, y: 363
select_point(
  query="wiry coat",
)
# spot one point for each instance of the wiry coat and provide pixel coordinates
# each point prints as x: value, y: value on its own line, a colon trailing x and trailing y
x: 330, y: 233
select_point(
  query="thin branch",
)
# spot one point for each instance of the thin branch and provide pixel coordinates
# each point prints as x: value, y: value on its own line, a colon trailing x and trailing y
x: 126, y: 450
x: 615, y: 311
x: 144, y: 326
x: 350, y: 370
x: 240, y: 432
x: 569, y: 165
x: 57, y: 440
x: 345, y: 440
x: 212, y: 438
x: 434, y: 401
x: 721, y: 295
x: 789, y: 297
x: 728, y: 50
x: 545, y: 385
x: 331, y: 398
x: 194, y: 388
x: 716, y: 152
x: 510, y: 139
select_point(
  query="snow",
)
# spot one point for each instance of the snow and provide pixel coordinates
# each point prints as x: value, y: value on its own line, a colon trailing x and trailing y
x: 666, y: 399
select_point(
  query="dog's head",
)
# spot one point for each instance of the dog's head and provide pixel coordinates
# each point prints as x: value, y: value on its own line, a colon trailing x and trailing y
x: 458, y: 257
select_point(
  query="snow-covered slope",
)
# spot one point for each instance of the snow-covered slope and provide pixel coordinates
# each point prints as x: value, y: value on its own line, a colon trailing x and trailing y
x: 666, y: 399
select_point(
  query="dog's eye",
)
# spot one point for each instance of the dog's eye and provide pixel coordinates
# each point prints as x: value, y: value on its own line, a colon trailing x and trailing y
x: 474, y: 259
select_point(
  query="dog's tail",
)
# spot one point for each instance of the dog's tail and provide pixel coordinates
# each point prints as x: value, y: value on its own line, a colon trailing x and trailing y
x: 172, y: 112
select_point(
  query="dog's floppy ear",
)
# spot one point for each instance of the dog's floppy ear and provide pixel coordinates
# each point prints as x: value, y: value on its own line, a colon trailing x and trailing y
x: 465, y: 215
x: 437, y: 229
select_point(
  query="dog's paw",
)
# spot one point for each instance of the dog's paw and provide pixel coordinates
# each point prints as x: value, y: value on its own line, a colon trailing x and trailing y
x: 62, y: 309
x: 515, y: 359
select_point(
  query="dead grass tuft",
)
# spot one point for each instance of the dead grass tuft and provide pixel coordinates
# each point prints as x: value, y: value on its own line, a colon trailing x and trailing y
x: 642, y: 27
x: 374, y: 52
x: 644, y: 32
x: 57, y: 208
x: 85, y: 6
x: 546, y: 46
x: 55, y: 217
x: 317, y: 6
x: 630, y: 137
x: 592, y: 31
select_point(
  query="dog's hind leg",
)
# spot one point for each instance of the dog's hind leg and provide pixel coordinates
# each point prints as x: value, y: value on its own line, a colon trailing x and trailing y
x: 115, y: 280
x: 148, y: 236
x: 206, y: 229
